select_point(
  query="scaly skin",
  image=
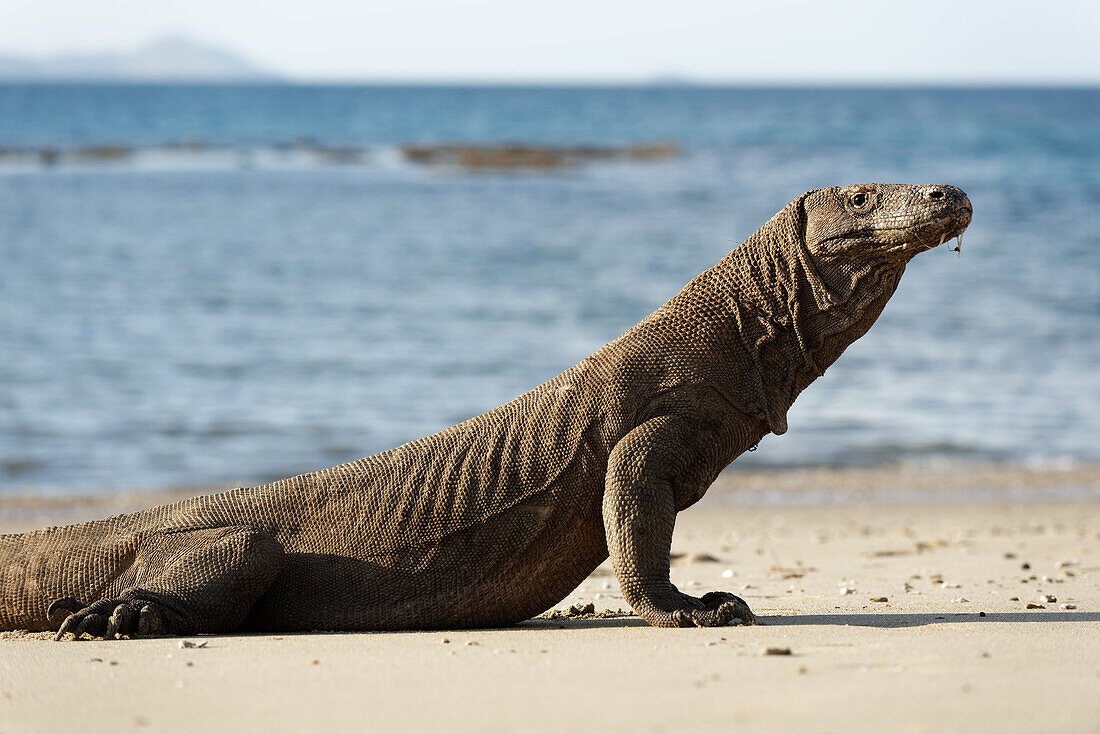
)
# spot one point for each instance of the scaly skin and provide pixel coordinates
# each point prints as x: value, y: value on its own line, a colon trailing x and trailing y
x: 496, y: 519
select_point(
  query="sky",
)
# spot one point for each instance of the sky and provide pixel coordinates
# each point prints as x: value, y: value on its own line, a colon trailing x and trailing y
x: 764, y: 41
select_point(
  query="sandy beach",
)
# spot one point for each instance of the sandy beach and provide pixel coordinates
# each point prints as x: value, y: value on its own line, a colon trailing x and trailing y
x: 891, y: 600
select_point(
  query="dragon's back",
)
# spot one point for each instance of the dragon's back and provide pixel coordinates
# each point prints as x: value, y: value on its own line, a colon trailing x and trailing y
x: 554, y: 439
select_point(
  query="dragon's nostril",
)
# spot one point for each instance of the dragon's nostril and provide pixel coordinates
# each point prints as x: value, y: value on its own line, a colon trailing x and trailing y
x: 935, y: 194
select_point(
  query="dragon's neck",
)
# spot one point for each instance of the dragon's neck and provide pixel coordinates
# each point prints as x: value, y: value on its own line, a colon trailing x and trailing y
x: 792, y: 316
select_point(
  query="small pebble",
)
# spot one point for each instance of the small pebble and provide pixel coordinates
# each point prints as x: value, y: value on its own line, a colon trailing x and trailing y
x: 776, y: 651
x: 728, y: 573
x: 1014, y: 598
x: 960, y: 600
x: 845, y: 590
x: 879, y: 598
x: 315, y: 661
x: 445, y: 641
x: 1047, y: 598
x: 1067, y: 606
x: 1034, y: 606
x: 188, y: 643
x: 470, y: 643
x: 1025, y: 565
x: 981, y: 614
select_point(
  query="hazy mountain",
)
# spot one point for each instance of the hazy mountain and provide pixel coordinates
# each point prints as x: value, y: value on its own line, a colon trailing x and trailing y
x: 166, y: 59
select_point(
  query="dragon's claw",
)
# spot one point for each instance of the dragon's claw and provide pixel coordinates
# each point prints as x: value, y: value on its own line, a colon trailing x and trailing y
x: 715, y: 609
x: 66, y: 603
x: 110, y: 619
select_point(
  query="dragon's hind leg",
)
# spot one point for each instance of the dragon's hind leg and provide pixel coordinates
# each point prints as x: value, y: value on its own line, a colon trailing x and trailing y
x: 182, y: 582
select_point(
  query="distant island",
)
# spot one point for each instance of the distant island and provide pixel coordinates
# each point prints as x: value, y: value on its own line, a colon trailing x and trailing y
x: 168, y: 59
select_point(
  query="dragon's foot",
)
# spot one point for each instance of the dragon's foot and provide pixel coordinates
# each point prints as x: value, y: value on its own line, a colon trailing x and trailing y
x: 715, y: 609
x: 109, y: 618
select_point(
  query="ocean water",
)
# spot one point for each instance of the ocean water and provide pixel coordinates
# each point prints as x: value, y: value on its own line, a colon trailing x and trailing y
x: 207, y: 285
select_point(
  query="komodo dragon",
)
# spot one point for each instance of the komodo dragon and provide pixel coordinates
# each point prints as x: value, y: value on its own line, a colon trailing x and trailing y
x: 496, y: 519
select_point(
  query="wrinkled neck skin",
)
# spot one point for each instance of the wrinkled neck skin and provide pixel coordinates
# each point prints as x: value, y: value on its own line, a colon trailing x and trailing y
x: 845, y: 321
x: 793, y: 314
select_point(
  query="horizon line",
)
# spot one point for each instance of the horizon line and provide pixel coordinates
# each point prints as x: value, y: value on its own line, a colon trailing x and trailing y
x: 657, y: 81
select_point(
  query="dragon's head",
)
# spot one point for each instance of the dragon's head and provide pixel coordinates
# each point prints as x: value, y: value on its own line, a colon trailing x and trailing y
x: 882, y: 222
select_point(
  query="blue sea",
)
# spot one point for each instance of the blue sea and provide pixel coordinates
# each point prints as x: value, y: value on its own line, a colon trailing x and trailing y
x: 221, y: 285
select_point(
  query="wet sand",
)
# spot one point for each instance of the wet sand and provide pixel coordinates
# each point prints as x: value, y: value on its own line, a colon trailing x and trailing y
x: 810, y: 551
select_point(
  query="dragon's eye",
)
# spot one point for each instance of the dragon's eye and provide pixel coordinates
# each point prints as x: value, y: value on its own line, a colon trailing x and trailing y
x: 858, y: 200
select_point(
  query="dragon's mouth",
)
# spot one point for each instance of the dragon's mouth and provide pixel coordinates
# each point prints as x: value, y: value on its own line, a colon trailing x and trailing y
x: 956, y: 224
x: 931, y: 234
